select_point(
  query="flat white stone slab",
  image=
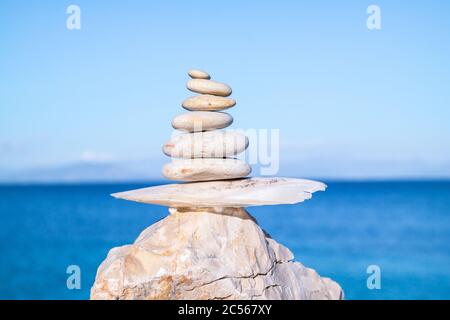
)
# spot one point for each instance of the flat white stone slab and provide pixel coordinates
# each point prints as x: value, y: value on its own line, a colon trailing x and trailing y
x: 245, y: 192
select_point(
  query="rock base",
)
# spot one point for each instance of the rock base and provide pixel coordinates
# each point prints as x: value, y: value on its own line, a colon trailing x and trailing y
x: 209, y: 253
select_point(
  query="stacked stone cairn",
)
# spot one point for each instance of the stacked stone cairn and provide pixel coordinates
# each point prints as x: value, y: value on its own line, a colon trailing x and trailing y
x: 204, y: 152
x: 209, y: 246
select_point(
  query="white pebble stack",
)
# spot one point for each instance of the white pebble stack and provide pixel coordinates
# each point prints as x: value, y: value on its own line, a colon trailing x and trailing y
x: 203, y: 152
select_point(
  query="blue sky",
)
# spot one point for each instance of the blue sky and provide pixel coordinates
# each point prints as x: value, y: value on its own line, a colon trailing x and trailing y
x: 349, y: 102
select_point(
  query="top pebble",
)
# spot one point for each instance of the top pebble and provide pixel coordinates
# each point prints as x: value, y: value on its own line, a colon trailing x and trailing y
x: 198, y: 74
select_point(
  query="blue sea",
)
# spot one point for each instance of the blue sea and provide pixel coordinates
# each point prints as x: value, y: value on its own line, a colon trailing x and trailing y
x: 402, y: 227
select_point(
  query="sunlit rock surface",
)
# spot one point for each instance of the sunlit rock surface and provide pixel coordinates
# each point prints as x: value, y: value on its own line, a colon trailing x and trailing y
x: 246, y: 192
x: 209, y: 253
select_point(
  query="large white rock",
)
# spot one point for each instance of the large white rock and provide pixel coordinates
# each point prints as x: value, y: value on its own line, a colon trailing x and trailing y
x: 207, y: 254
x: 209, y: 144
x: 257, y: 191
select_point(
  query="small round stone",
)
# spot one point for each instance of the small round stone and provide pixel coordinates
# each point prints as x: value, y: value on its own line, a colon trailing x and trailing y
x: 208, y: 144
x: 206, y: 169
x: 207, y: 102
x: 201, y: 121
x: 198, y: 74
x: 209, y: 87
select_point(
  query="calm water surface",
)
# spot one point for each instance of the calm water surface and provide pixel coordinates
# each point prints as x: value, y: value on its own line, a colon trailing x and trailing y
x: 403, y: 227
